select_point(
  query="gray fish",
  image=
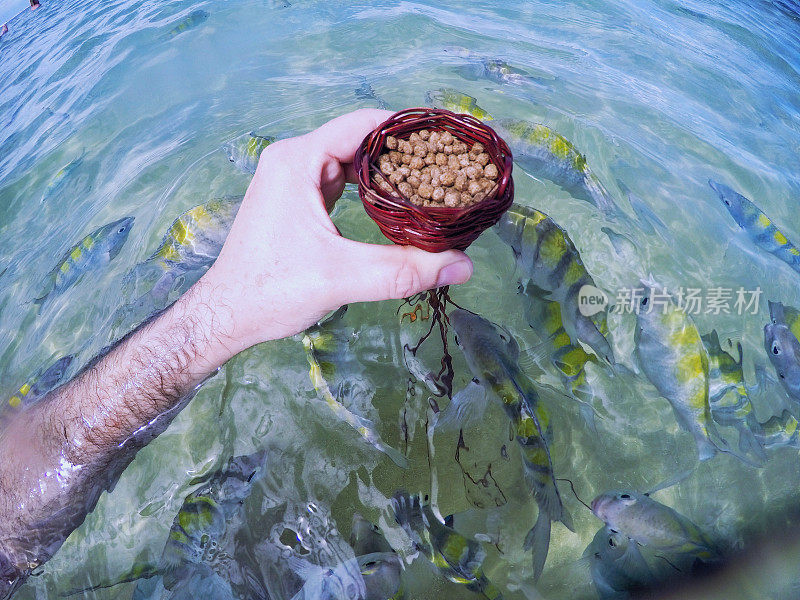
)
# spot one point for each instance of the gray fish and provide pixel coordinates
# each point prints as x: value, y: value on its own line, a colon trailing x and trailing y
x: 193, y: 19
x: 366, y: 92
x: 783, y: 349
x: 380, y: 566
x: 492, y: 355
x: 617, y: 566
x: 543, y: 152
x: 653, y: 524
x: 93, y: 252
x: 339, y: 582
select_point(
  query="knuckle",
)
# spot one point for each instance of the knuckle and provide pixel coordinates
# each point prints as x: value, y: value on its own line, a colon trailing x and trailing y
x: 407, y: 280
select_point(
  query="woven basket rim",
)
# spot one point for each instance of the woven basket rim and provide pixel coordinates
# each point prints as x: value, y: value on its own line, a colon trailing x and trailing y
x: 398, y: 217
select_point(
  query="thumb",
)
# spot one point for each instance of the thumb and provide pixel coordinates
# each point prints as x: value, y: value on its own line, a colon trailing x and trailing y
x: 377, y: 272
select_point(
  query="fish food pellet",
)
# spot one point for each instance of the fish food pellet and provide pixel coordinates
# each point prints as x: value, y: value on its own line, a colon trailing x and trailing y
x: 436, y: 169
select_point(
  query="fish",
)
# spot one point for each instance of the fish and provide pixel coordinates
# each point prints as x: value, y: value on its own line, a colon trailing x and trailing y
x: 454, y: 556
x: 321, y: 344
x: 193, y: 19
x: 779, y: 430
x: 62, y: 175
x: 93, y: 252
x: 783, y: 349
x: 380, y: 566
x: 366, y: 92
x: 492, y: 355
x: 41, y: 383
x: 493, y: 69
x: 757, y: 225
x: 728, y: 396
x: 245, y: 150
x: 197, y: 546
x: 191, y: 244
x: 672, y: 355
x: 543, y: 152
x: 196, y: 237
x: 655, y: 525
x: 617, y: 565
x: 546, y: 256
x: 569, y: 359
x: 455, y: 101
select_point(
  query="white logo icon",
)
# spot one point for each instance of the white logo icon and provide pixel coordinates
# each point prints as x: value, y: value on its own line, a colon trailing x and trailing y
x: 591, y: 300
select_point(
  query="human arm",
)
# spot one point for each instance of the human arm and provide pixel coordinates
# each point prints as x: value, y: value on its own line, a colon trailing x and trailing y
x: 283, y: 266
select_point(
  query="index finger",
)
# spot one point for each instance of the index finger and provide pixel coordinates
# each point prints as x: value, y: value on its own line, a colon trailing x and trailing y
x: 340, y: 137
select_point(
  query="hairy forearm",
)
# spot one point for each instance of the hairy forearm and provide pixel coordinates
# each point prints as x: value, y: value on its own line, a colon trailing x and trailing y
x: 59, y: 455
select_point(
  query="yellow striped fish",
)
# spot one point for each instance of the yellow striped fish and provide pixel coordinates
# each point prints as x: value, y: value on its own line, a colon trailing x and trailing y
x: 757, y: 225
x: 324, y: 350
x: 543, y: 152
x: 456, y: 557
x: 455, y: 101
x: 193, y: 19
x: 728, y: 395
x: 93, y: 252
x: 672, y: 356
x: 569, y: 359
x: 779, y: 430
x: 552, y: 267
x: 41, y: 383
x: 492, y: 356
x: 201, y: 534
x: 61, y: 177
x: 245, y: 151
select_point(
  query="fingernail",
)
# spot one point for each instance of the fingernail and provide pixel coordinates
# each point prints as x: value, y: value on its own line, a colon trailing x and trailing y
x: 457, y: 272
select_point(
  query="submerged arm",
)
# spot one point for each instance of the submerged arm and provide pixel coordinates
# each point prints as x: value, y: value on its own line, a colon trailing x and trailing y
x: 60, y: 454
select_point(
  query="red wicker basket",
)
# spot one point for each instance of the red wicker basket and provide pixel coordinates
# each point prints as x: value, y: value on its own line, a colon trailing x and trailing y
x: 433, y: 229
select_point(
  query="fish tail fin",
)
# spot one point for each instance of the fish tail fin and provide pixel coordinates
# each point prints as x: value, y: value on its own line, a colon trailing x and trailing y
x: 601, y: 197
x: 538, y: 541
x: 706, y: 449
x: 407, y: 510
x: 749, y: 444
x: 135, y: 574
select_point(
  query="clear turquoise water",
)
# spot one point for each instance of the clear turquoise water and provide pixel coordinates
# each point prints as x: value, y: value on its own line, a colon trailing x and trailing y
x: 658, y: 95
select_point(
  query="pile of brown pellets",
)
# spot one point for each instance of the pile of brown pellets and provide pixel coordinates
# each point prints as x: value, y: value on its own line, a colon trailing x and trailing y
x: 433, y: 168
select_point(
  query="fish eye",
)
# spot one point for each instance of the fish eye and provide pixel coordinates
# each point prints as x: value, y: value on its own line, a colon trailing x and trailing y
x: 611, y: 542
x: 121, y: 229
x: 781, y: 375
x: 776, y: 349
x: 625, y: 496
